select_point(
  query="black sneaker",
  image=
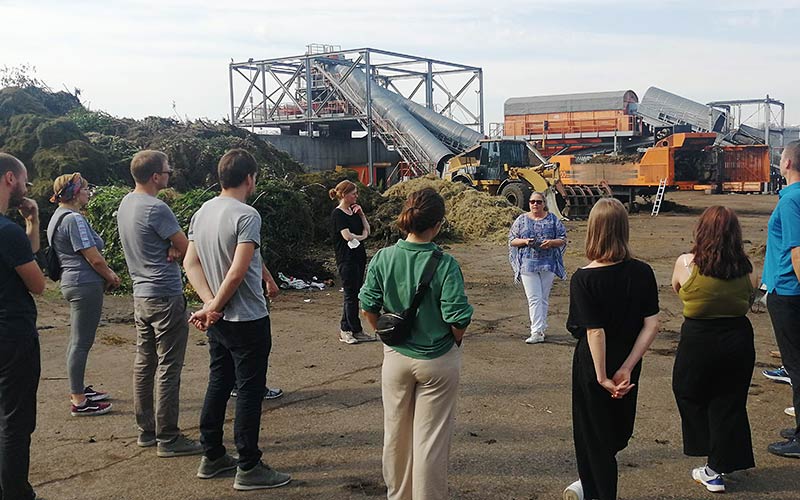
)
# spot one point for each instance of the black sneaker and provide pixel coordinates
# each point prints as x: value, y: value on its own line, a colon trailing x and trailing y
x: 90, y: 409
x: 789, y: 449
x: 272, y: 393
x: 268, y: 393
x: 93, y: 395
x: 788, y: 433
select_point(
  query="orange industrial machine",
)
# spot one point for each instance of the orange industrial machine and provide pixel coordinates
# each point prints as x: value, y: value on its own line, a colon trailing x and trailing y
x: 574, y: 121
x: 683, y: 160
x: 570, y: 122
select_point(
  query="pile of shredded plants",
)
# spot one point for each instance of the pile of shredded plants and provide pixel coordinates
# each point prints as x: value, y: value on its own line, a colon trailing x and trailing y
x: 471, y: 215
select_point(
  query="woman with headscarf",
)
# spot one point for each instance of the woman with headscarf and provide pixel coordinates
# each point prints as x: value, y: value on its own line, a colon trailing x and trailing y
x: 85, y: 277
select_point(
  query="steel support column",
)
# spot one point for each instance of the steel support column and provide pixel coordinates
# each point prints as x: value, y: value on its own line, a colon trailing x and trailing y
x: 480, y: 106
x: 309, y: 101
x: 368, y: 72
x: 429, y: 86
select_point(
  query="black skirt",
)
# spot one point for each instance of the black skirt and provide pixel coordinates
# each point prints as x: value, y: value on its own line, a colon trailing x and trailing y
x: 710, y: 380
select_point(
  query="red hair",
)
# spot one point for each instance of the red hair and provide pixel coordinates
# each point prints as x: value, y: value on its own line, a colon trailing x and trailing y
x: 718, y: 249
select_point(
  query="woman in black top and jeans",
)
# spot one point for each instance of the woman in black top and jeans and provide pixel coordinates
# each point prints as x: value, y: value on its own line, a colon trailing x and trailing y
x: 350, y: 229
x: 613, y: 311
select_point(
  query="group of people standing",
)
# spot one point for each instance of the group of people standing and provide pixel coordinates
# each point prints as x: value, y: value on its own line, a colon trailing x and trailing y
x: 223, y: 264
x: 613, y: 313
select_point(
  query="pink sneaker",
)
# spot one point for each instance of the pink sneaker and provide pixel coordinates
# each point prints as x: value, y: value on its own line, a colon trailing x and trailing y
x: 90, y: 409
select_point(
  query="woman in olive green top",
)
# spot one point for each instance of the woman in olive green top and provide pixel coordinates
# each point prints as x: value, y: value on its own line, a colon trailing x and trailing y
x: 420, y: 377
x: 715, y: 357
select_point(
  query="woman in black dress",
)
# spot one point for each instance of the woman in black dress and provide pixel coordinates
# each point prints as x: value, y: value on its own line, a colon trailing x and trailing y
x: 350, y: 229
x: 613, y: 312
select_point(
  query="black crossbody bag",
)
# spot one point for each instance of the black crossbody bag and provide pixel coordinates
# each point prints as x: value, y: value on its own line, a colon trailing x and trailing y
x: 52, y: 264
x: 395, y: 328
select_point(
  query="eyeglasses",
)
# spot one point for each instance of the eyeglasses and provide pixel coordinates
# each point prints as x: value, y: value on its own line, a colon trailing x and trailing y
x: 168, y: 172
x: 536, y: 202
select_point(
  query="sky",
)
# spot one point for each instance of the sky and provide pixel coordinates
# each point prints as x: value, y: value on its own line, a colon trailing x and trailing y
x: 167, y: 58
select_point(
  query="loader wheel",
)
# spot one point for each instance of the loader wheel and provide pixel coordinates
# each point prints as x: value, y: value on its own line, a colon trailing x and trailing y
x: 517, y: 194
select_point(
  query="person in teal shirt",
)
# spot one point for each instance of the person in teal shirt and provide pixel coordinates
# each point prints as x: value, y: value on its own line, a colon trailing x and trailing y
x: 782, y: 278
x: 419, y: 377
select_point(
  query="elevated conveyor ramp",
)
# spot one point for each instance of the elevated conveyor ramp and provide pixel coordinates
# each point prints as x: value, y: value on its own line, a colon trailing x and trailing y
x: 423, y: 138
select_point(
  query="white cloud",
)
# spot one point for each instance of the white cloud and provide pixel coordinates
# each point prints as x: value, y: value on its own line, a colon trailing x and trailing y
x: 135, y: 58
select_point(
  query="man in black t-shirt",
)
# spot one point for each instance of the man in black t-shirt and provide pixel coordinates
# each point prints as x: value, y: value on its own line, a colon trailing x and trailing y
x: 19, y: 342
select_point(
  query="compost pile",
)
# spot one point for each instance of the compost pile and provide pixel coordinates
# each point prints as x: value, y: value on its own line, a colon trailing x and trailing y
x: 53, y: 134
x: 471, y: 215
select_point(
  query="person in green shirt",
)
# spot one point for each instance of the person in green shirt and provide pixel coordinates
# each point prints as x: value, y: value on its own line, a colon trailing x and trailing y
x: 419, y: 377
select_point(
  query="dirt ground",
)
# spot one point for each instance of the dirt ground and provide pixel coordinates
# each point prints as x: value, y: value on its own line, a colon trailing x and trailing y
x: 513, y: 437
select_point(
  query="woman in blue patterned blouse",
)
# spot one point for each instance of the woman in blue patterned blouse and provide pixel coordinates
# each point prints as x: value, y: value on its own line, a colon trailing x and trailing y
x: 536, y: 243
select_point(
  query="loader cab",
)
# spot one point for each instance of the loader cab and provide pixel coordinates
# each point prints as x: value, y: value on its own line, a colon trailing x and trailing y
x: 496, y: 154
x: 486, y: 161
x: 490, y: 154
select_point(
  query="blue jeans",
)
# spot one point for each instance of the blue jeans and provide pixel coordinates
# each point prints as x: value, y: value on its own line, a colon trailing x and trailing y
x: 239, y: 352
x: 20, y: 367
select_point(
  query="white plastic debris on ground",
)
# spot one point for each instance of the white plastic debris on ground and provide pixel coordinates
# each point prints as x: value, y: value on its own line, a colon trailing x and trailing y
x: 290, y: 282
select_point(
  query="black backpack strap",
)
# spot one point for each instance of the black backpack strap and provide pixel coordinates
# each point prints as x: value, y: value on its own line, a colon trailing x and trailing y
x: 425, y: 281
x: 58, y: 223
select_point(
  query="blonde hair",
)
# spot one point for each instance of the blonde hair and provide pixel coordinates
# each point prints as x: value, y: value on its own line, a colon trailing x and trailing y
x: 343, y: 188
x: 608, y: 232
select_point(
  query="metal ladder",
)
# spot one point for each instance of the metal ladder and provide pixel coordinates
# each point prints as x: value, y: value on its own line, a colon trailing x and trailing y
x: 662, y: 187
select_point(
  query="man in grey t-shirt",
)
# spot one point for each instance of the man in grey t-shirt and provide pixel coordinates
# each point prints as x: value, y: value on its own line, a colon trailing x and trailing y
x: 223, y: 264
x: 153, y: 244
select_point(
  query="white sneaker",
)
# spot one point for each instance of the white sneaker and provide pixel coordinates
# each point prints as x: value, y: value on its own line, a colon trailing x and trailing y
x: 574, y: 491
x: 535, y: 338
x: 347, y: 337
x: 789, y: 411
x: 714, y: 484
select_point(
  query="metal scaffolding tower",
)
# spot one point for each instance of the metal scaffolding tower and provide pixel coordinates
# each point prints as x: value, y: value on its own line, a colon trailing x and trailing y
x: 301, y: 95
x: 771, y: 111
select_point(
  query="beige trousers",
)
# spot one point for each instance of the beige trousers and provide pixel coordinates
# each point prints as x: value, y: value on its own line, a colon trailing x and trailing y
x: 419, y: 406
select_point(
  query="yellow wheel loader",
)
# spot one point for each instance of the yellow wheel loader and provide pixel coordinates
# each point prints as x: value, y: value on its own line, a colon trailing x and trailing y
x: 514, y: 169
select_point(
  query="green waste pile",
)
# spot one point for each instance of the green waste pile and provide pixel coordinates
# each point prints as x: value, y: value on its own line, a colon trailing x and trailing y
x: 53, y: 134
x: 471, y: 215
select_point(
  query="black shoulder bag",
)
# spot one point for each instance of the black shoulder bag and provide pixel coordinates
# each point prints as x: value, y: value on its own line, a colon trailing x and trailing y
x: 395, y: 328
x: 52, y: 266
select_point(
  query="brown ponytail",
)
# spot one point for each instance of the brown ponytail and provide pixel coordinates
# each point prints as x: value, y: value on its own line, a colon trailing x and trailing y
x: 341, y: 190
x: 423, y: 210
